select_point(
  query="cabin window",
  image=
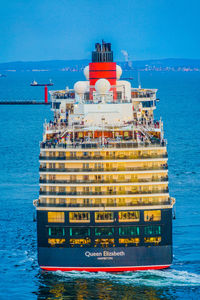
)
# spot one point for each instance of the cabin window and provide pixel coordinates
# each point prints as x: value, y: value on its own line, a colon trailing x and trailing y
x: 51, y: 201
x: 79, y: 217
x: 79, y: 231
x: 104, y: 242
x: 129, y: 241
x: 61, y: 189
x: 54, y: 242
x: 100, y: 231
x: 152, y: 215
x: 52, y: 166
x: 104, y: 217
x: 155, y: 240
x: 149, y: 230
x: 56, y: 217
x: 129, y: 230
x: 61, y: 201
x: 80, y: 241
x: 52, y: 189
x: 80, y: 134
x: 129, y: 216
x: 61, y: 154
x: 56, y: 231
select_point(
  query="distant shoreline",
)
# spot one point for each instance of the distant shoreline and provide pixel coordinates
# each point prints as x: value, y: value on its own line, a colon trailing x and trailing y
x: 180, y: 69
x: 157, y: 65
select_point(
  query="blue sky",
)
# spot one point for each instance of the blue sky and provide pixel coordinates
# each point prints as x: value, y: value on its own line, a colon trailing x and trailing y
x: 68, y: 29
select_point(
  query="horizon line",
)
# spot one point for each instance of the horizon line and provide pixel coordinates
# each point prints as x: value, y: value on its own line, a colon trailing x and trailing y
x: 86, y: 59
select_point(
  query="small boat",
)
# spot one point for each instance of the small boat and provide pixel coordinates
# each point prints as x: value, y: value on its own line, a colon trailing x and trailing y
x: 3, y: 75
x: 34, y: 83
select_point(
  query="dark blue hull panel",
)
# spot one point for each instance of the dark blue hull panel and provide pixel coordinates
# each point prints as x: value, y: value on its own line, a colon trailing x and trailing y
x: 107, y: 257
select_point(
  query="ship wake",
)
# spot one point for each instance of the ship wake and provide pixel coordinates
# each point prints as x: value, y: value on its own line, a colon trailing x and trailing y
x: 154, y: 278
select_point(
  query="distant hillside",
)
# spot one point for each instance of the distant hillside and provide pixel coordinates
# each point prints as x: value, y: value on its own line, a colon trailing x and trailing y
x: 43, y: 65
x: 168, y: 62
x: 70, y: 65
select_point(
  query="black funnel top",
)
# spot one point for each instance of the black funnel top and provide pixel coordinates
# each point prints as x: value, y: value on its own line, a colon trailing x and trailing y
x: 102, y: 53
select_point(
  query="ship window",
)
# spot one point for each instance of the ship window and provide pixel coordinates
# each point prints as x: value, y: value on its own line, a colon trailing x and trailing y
x: 129, y: 216
x: 100, y: 231
x: 61, y: 189
x: 119, y: 95
x: 87, y: 96
x: 104, y: 242
x: 56, y: 217
x: 152, y: 230
x: 56, y: 231
x: 130, y: 230
x: 147, y: 104
x: 155, y: 240
x: 52, y: 154
x: 152, y: 215
x: 51, y: 201
x: 79, y: 217
x: 61, y: 154
x: 56, y: 105
x: 54, y: 242
x: 129, y: 241
x: 79, y: 231
x: 52, y: 189
x: 80, y: 241
x: 104, y: 217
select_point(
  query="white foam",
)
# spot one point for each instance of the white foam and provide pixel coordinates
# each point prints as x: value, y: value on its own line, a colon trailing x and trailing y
x: 155, y: 278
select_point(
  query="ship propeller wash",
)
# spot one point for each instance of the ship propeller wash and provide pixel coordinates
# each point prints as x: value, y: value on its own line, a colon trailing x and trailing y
x: 104, y: 203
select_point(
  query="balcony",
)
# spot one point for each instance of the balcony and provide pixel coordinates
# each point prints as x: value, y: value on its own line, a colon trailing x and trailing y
x: 57, y: 158
x: 66, y: 170
x: 103, y: 205
x: 89, y: 181
x: 119, y: 193
x: 123, y: 145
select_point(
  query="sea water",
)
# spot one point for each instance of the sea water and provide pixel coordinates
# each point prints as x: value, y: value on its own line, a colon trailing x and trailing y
x: 21, y: 128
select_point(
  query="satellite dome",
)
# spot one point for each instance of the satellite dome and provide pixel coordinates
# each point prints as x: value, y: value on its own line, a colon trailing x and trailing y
x: 118, y: 72
x: 81, y: 87
x: 102, y: 86
x: 86, y: 72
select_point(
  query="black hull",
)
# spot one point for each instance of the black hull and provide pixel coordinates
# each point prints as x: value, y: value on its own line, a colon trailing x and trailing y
x: 106, y: 259
x: 94, y: 257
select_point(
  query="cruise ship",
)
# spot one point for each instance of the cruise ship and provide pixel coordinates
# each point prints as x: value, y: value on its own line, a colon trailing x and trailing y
x: 104, y: 203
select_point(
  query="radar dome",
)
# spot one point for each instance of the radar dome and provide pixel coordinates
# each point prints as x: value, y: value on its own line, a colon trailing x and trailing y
x: 118, y: 72
x: 81, y: 87
x: 86, y: 72
x: 102, y: 86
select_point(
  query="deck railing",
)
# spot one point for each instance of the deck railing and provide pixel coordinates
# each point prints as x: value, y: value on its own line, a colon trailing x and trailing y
x: 43, y: 169
x: 113, y: 204
x: 118, y: 145
x: 102, y: 157
x: 89, y: 181
x: 119, y: 193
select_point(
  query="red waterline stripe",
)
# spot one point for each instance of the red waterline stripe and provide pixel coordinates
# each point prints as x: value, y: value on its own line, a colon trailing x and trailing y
x: 104, y: 269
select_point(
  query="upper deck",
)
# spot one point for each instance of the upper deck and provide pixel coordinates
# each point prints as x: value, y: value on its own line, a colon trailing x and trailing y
x: 103, y: 148
x: 103, y: 121
x: 103, y: 111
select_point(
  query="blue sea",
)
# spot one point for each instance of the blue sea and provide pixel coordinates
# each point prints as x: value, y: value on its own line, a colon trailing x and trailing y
x: 21, y: 128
